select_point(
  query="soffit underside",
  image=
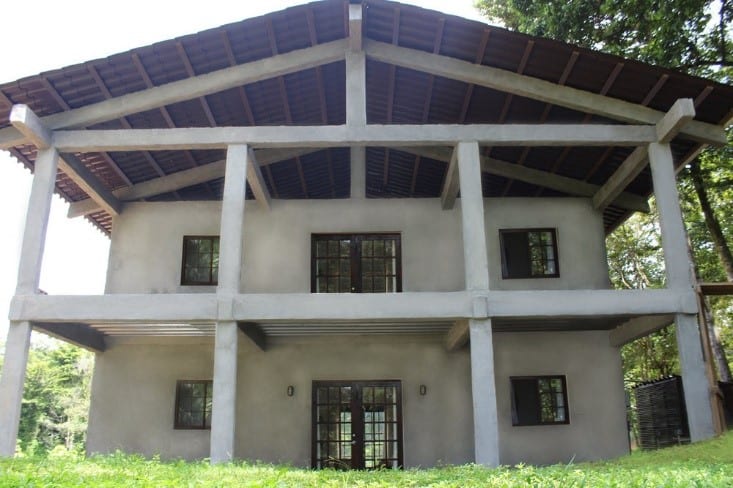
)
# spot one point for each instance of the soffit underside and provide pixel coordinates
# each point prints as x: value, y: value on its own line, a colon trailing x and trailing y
x: 394, y: 95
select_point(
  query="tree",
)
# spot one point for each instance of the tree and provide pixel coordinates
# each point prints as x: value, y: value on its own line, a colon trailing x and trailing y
x: 56, y: 399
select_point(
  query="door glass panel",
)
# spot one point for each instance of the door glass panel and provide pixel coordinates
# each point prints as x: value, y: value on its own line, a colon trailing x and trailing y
x: 357, y: 425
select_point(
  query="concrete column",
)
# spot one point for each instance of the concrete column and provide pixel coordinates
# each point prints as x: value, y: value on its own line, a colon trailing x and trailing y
x: 483, y: 390
x: 679, y: 276
x: 224, y: 407
x: 472, y: 214
x: 356, y: 88
x: 232, y: 220
x: 11, y: 384
x: 231, y: 238
x: 358, y: 172
x: 29, y: 273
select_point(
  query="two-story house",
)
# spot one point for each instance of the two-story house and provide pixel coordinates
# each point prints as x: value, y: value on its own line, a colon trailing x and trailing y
x: 359, y: 234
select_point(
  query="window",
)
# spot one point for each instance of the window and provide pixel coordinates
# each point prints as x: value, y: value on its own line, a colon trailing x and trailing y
x: 356, y: 263
x: 529, y: 253
x: 193, y: 404
x: 539, y: 400
x: 200, y: 260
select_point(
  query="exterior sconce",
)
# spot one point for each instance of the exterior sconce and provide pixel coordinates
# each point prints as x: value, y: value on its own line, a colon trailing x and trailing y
x: 291, y: 390
x: 423, y: 390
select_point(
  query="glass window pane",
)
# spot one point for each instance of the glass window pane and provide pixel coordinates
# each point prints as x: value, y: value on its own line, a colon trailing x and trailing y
x: 345, y: 248
x: 321, y: 248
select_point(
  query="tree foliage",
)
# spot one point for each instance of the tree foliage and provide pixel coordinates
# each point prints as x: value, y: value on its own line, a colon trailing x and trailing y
x: 56, y: 399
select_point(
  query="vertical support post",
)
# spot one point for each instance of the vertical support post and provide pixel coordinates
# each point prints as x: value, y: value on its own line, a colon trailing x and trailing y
x: 29, y: 273
x: 483, y: 391
x: 679, y: 275
x: 472, y: 214
x: 223, y: 416
x: 358, y: 172
x: 483, y: 385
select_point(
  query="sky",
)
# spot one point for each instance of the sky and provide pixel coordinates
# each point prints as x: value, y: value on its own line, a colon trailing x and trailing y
x: 42, y: 35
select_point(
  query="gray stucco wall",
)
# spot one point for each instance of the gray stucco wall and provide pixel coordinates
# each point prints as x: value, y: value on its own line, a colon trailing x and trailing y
x: 134, y: 389
x: 145, y: 254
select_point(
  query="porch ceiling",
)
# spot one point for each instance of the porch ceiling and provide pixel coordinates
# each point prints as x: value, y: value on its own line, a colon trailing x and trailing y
x: 395, y: 95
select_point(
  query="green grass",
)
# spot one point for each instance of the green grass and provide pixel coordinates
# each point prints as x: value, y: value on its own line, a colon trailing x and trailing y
x: 700, y: 465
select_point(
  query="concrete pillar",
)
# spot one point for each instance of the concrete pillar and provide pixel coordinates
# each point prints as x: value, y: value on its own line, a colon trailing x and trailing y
x: 11, y: 384
x: 356, y: 88
x: 679, y: 276
x: 358, y: 172
x: 231, y: 238
x: 472, y: 214
x: 224, y: 407
x: 29, y: 273
x: 483, y: 390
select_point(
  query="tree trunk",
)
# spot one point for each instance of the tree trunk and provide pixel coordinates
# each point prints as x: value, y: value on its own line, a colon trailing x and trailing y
x: 711, y: 221
x: 726, y: 258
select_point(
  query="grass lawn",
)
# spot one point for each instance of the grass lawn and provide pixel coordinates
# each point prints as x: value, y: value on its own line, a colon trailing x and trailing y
x: 700, y: 465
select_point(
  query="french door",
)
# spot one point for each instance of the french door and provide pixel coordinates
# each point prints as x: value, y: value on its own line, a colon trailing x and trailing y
x: 357, y: 424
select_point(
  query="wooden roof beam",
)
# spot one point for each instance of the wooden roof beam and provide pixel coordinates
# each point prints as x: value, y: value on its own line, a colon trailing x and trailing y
x: 536, y: 177
x: 190, y: 177
x: 527, y: 86
x: 186, y: 89
x: 666, y: 129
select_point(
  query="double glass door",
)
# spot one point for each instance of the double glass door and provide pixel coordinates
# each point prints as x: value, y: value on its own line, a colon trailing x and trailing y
x: 357, y: 424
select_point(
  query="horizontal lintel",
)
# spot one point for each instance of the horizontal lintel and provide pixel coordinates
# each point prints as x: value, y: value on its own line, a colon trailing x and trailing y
x: 343, y: 135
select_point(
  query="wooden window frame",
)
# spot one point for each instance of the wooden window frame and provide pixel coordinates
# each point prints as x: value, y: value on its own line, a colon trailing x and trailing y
x: 177, y: 423
x: 515, y: 418
x: 184, y: 280
x: 505, y: 274
x: 354, y: 256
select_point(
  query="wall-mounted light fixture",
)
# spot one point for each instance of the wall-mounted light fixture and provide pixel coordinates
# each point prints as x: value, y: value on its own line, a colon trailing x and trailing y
x: 291, y: 390
x: 423, y: 390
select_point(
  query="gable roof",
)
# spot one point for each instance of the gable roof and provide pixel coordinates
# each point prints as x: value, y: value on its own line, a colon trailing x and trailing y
x: 395, y: 94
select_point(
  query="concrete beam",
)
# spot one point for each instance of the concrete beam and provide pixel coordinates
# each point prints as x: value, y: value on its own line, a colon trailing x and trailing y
x: 187, y: 89
x: 676, y: 118
x: 254, y: 333
x: 483, y: 392
x: 182, y: 179
x: 11, y: 384
x: 527, y: 86
x: 78, y: 334
x: 257, y: 182
x: 28, y: 123
x: 620, y: 179
x: 85, y: 179
x: 457, y: 336
x: 451, y: 185
x: 638, y: 327
x: 544, y: 179
x: 308, y: 307
x: 348, y: 135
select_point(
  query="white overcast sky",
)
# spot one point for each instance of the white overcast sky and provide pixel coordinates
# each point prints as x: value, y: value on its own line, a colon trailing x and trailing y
x: 41, y: 35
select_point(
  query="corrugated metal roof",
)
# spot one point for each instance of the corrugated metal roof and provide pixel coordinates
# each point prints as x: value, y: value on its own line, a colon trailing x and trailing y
x: 394, y: 95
